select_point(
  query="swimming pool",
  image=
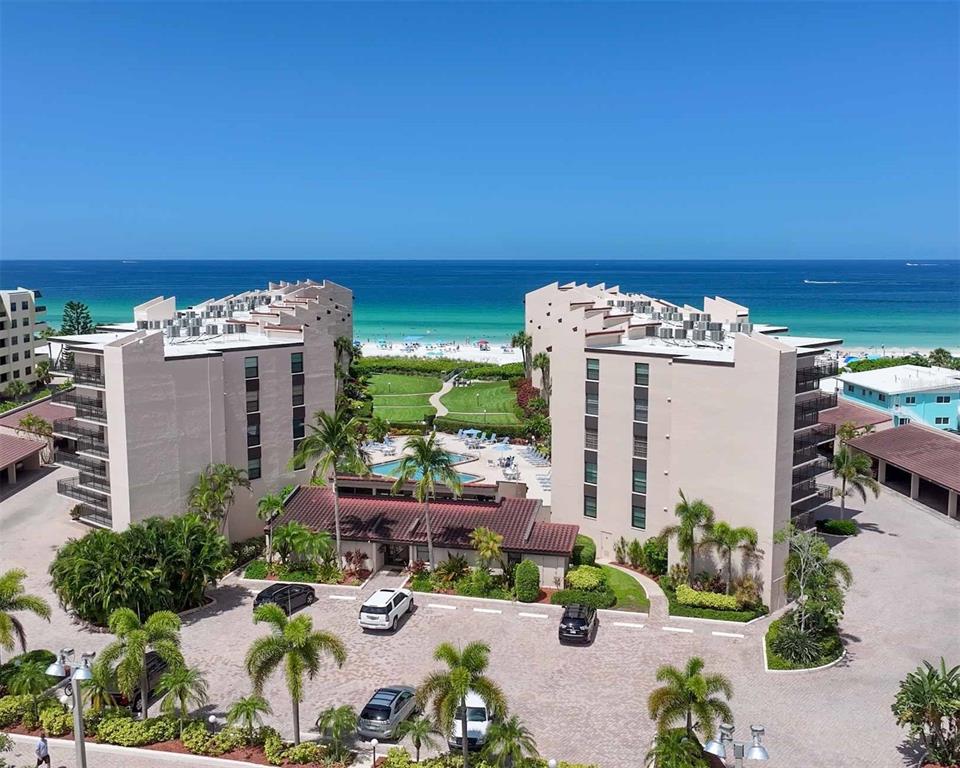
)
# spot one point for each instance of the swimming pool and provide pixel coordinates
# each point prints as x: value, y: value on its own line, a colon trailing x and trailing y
x: 390, y: 468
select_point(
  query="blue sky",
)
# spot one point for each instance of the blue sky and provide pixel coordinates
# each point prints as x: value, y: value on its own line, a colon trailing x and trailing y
x: 239, y: 130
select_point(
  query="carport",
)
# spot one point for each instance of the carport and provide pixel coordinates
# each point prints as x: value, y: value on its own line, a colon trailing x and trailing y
x: 918, y: 462
x: 17, y: 456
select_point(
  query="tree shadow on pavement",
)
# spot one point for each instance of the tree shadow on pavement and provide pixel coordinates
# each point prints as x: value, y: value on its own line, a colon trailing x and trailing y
x: 226, y: 597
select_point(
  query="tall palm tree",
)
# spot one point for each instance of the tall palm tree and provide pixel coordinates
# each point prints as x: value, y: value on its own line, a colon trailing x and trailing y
x: 675, y: 749
x: 377, y: 428
x: 343, y: 345
x: 336, y: 724
x: 692, y: 515
x: 726, y: 538
x: 296, y: 645
x: 692, y: 696
x: 42, y: 371
x: 541, y: 361
x: 333, y: 446
x: 97, y: 692
x: 856, y: 470
x: 524, y: 341
x: 246, y: 713
x: 447, y: 689
x: 268, y: 510
x: 14, y: 598
x: 509, y: 743
x: 215, y: 491
x: 421, y: 732
x: 427, y: 463
x: 160, y: 633
x: 182, y: 687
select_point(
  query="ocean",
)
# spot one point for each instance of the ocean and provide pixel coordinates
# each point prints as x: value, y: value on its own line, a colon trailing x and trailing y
x: 895, y: 304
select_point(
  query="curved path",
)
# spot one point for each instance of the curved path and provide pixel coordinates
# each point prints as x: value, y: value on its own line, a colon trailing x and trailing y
x: 435, y: 397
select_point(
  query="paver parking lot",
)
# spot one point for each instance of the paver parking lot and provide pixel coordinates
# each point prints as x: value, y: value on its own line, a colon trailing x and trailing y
x: 589, y: 704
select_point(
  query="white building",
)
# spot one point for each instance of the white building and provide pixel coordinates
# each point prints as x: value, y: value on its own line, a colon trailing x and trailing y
x: 21, y: 318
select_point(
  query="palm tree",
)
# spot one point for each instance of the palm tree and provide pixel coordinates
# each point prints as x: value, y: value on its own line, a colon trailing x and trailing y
x: 31, y: 424
x: 295, y: 644
x: 488, y: 545
x: 333, y: 446
x: 343, y: 345
x: 541, y: 361
x: 160, y: 633
x: 509, y: 744
x: 97, y: 692
x: 849, y: 430
x: 523, y: 341
x: 941, y: 357
x: 31, y: 679
x: 693, y: 515
x: 448, y: 689
x: 268, y: 510
x: 690, y: 694
x: 16, y: 389
x: 13, y: 598
x: 42, y: 371
x: 215, y: 491
x: 421, y: 732
x: 336, y: 724
x: 183, y: 686
x: 428, y: 464
x: 727, y: 539
x: 246, y: 713
x: 377, y: 428
x: 856, y: 470
x: 675, y: 749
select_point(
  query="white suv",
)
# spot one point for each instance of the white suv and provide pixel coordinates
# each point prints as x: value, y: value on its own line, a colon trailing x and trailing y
x: 479, y: 718
x: 384, y: 608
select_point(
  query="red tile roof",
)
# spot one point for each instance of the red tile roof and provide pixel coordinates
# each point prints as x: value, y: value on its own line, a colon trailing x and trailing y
x: 400, y: 519
x: 932, y: 454
x: 14, y: 449
x: 46, y: 410
x: 858, y: 414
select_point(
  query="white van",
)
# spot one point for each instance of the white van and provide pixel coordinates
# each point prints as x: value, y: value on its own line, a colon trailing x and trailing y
x: 479, y: 718
x: 383, y: 608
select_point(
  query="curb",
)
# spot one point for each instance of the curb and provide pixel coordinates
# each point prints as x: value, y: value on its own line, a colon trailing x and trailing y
x: 487, y: 600
x: 725, y: 622
x: 763, y: 648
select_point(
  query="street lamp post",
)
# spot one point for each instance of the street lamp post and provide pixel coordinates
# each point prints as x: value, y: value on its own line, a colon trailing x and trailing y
x: 77, y: 675
x: 374, y: 743
x: 754, y: 751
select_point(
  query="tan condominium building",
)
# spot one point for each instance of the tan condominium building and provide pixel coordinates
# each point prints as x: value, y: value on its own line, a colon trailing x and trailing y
x: 21, y: 319
x: 650, y: 398
x: 231, y: 380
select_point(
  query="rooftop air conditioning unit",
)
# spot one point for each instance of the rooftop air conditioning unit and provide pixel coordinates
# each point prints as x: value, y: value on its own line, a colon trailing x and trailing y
x: 193, y: 330
x: 173, y: 331
x: 746, y: 327
x: 698, y: 335
x: 715, y: 335
x: 210, y: 329
x: 142, y: 325
x: 688, y: 324
x: 679, y: 333
x: 665, y: 333
x: 714, y: 326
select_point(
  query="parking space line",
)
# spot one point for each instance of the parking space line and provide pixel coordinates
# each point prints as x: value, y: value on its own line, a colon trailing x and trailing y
x: 440, y: 605
x: 628, y: 624
x: 727, y: 634
x: 487, y: 610
x: 341, y: 597
x: 532, y: 616
x: 676, y: 629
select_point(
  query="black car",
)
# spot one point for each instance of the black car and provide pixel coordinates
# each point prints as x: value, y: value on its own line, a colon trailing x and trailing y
x: 290, y: 597
x: 155, y: 668
x: 579, y: 624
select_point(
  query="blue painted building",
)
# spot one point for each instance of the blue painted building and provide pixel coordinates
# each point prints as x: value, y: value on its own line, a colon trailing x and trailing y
x: 909, y: 393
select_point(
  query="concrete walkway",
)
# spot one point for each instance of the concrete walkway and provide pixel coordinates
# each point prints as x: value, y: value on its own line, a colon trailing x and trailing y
x: 435, y: 397
x: 658, y: 601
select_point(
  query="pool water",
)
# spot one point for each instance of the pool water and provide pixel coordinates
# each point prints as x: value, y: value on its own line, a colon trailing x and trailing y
x: 391, y: 468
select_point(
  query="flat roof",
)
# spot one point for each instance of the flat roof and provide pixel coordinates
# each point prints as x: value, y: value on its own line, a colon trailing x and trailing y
x: 46, y: 410
x: 185, y: 346
x: 930, y: 453
x: 14, y: 449
x: 904, y: 378
x: 858, y: 414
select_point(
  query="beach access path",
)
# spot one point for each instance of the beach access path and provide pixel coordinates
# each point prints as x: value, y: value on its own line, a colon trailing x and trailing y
x: 435, y: 397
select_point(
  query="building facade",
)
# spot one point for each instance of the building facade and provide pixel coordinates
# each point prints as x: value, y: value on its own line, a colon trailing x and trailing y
x: 21, y: 319
x: 908, y: 393
x: 229, y: 381
x: 650, y: 398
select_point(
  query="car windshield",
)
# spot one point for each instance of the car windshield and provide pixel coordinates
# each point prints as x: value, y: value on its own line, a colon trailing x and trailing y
x: 375, y: 713
x: 378, y: 609
x: 574, y: 621
x: 474, y: 714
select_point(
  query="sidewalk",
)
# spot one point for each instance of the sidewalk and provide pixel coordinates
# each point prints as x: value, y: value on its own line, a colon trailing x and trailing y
x: 435, y: 397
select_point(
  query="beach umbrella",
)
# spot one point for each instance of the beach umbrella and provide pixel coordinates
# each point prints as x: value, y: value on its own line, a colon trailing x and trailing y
x: 482, y: 341
x: 503, y: 447
x: 471, y: 432
x: 412, y: 338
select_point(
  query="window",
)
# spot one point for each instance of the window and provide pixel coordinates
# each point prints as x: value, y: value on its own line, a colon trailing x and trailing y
x: 16, y: 357
x: 296, y: 362
x: 640, y: 446
x: 297, y: 464
x: 16, y: 374
x: 3, y: 377
x: 251, y: 367
x: 848, y: 388
x: 26, y: 338
x: 253, y: 468
x: 640, y: 411
x: 253, y: 396
x: 593, y: 404
x: 939, y: 419
x: 863, y: 391
x: 13, y: 323
x: 883, y: 397
x: 904, y: 421
x: 943, y: 398
x: 26, y: 354
x: 3, y: 360
x: 24, y: 306
x: 28, y: 370
x: 638, y: 515
x: 26, y: 322
x: 641, y: 374
x: 253, y: 429
x: 590, y: 472
x: 910, y: 400
x: 14, y: 340
x: 590, y: 506
x: 423, y: 553
x: 591, y: 439
x: 639, y: 481
x: 593, y: 369
x: 298, y: 428
x: 297, y: 393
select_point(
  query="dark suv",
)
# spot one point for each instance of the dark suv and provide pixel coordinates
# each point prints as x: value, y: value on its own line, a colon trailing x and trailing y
x: 155, y: 668
x: 290, y: 597
x: 579, y: 624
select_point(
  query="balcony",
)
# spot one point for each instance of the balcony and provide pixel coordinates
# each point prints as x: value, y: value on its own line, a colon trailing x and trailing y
x: 74, y: 429
x: 807, y: 413
x: 84, y: 463
x: 93, y: 446
x: 88, y: 480
x: 809, y: 378
x: 803, y: 490
x: 93, y: 516
x: 82, y: 374
x: 71, y: 487
x: 805, y: 505
x: 810, y: 470
x: 86, y: 407
x: 819, y: 434
x: 805, y: 454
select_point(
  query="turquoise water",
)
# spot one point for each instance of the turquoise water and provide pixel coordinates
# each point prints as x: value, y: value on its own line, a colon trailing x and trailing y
x: 391, y: 468
x: 899, y: 304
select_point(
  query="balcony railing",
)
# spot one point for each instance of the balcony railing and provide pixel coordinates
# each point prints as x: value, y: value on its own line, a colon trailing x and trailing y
x: 83, y: 463
x: 804, y: 489
x: 96, y: 447
x: 809, y: 378
x: 805, y: 454
x: 821, y: 497
x: 82, y: 374
x: 76, y: 430
x: 94, y: 516
x: 86, y: 407
x: 819, y: 434
x: 88, y: 480
x: 807, y: 413
x: 812, y: 469
x: 71, y: 487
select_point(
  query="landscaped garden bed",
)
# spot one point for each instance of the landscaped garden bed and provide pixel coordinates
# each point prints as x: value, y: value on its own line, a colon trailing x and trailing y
x: 837, y: 527
x: 302, y: 555
x: 829, y: 647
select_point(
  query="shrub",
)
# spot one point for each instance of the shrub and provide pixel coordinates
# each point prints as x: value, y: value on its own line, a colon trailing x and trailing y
x: 679, y: 573
x: 635, y: 554
x: 584, y: 551
x: 196, y: 738
x: 688, y: 596
x: 526, y: 579
x: 418, y: 567
x: 248, y: 549
x: 421, y: 582
x: 12, y: 709
x: 795, y: 646
x: 303, y: 753
x: 837, y: 527
x: 447, y: 424
x: 258, y: 569
x: 123, y: 730
x: 597, y: 598
x: 747, y: 592
x: 39, y: 656
x: 481, y: 583
x: 397, y: 757
x: 829, y: 646
x: 655, y: 556
x: 452, y: 569
x: 585, y: 577
x: 620, y: 551
x: 56, y: 720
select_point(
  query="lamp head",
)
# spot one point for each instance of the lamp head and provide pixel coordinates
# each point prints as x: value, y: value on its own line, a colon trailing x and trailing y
x: 756, y: 750
x: 551, y: 763
x: 714, y: 747
x: 374, y: 743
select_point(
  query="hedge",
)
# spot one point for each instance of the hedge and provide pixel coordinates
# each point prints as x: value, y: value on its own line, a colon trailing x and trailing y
x: 595, y: 598
x: 655, y: 556
x: 679, y: 609
x: 837, y: 527
x: 447, y: 424
x: 584, y: 551
x: 585, y: 577
x: 688, y: 596
x: 526, y: 579
x: 123, y: 730
x: 493, y: 372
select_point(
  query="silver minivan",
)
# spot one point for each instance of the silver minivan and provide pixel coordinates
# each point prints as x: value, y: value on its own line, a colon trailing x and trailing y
x: 387, y: 708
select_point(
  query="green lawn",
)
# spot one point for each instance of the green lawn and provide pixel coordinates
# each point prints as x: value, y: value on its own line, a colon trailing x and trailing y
x: 495, y: 397
x: 399, y: 384
x: 630, y: 593
x: 397, y: 397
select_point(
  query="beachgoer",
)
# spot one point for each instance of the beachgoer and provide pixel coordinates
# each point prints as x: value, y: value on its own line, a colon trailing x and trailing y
x: 43, y: 751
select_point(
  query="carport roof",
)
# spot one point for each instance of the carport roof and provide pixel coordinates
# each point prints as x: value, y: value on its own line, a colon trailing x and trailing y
x: 929, y: 453
x: 846, y: 411
x: 14, y: 449
x: 399, y: 519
